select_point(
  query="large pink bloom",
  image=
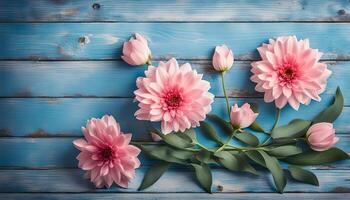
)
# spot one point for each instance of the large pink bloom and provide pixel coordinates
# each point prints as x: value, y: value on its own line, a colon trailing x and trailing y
x: 176, y: 96
x: 290, y: 72
x: 106, y: 153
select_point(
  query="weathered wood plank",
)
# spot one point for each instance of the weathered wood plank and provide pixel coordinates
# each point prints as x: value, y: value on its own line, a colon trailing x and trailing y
x: 103, y: 78
x: 43, y: 153
x: 175, y: 196
x: 229, y: 11
x: 65, y: 116
x: 176, y: 180
x: 35, y: 41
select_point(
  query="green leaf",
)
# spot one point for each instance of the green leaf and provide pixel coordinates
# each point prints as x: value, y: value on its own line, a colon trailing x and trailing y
x: 226, y: 126
x: 283, y: 141
x: 234, y: 162
x: 176, y: 141
x: 303, y: 175
x: 153, y: 174
x: 191, y: 133
x: 276, y: 170
x: 331, y: 113
x: 256, y: 127
x: 210, y: 132
x: 204, y: 156
x: 284, y: 151
x: 204, y: 176
x: 295, y: 128
x: 248, y: 138
x: 318, y: 157
x: 166, y: 153
x: 256, y: 157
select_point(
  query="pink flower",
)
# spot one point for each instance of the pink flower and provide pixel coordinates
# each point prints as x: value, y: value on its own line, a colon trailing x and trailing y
x: 136, y: 51
x: 290, y: 72
x: 176, y: 96
x: 242, y: 117
x: 155, y: 137
x: 321, y: 136
x: 106, y: 153
x: 223, y: 58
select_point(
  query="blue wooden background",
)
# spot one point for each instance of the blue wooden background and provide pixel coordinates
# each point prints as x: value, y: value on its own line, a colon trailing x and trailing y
x: 60, y: 65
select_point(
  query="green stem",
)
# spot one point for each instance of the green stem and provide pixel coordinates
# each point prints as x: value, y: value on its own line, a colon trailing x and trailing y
x: 230, y: 147
x: 274, y: 126
x: 227, y: 142
x: 266, y: 141
x: 277, y: 119
x: 203, y: 147
x: 156, y: 143
x: 146, y: 143
x: 226, y: 97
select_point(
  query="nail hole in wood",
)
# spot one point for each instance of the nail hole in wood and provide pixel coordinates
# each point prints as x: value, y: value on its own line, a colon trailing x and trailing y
x: 83, y: 40
x: 341, y: 12
x: 220, y: 188
x: 96, y: 6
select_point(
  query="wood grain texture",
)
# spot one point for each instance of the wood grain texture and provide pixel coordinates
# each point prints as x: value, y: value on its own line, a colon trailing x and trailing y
x: 83, y: 78
x: 177, y: 180
x: 52, y: 41
x: 175, y: 196
x: 47, y: 153
x: 65, y: 116
x: 192, y: 10
x: 44, y: 104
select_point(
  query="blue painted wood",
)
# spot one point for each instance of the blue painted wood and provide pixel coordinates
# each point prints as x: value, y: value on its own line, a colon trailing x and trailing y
x: 190, y: 40
x: 178, y: 180
x: 52, y: 41
x: 65, y: 116
x: 43, y: 153
x: 83, y: 78
x: 192, y: 10
x: 175, y: 196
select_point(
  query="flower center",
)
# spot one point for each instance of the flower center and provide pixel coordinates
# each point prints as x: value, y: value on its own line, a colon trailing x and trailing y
x: 173, y: 99
x: 287, y: 73
x: 106, y: 153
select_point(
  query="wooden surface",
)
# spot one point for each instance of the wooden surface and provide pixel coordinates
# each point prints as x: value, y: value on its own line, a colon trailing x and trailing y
x: 50, y: 84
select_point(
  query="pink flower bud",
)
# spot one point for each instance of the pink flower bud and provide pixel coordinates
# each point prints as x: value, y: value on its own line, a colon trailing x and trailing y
x: 155, y: 137
x: 223, y: 58
x: 136, y: 50
x: 242, y: 117
x: 321, y: 136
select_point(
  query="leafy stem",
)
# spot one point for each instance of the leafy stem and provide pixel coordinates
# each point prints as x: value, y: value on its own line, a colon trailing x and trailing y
x: 227, y: 142
x: 266, y: 141
x: 201, y: 146
x: 277, y: 119
x: 231, y: 147
x: 226, y: 97
x: 274, y: 126
x: 142, y: 143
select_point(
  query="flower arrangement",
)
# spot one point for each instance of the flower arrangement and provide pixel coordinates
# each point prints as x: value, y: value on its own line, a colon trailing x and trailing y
x: 179, y: 98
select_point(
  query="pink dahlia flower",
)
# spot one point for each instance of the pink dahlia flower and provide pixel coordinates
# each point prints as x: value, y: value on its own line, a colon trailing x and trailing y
x: 290, y: 72
x: 175, y: 95
x: 106, y: 153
